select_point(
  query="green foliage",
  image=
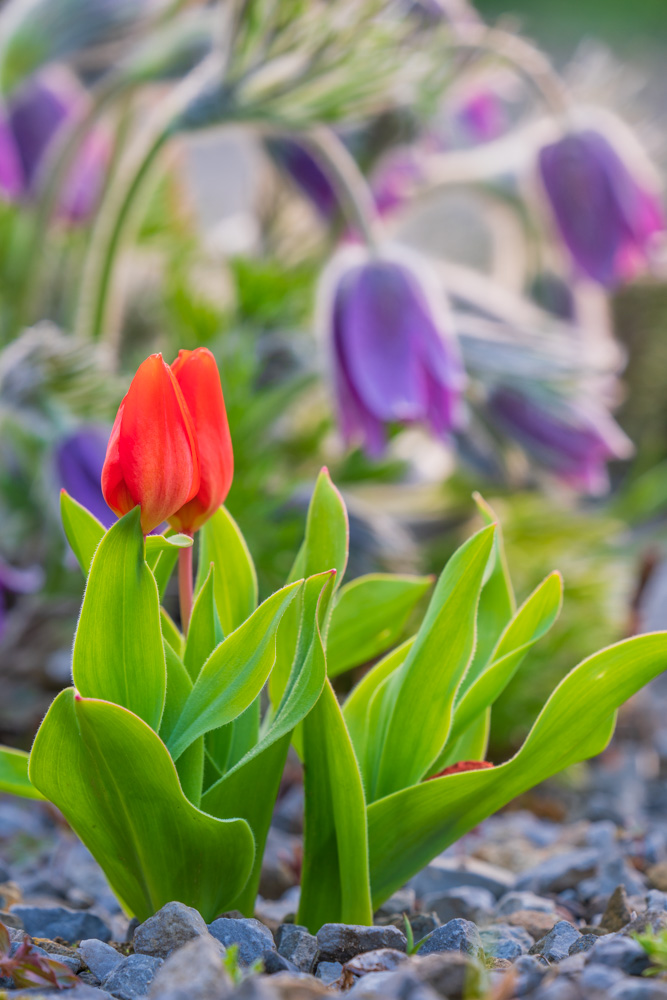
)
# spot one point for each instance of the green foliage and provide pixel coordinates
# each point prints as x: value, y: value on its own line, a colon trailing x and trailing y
x: 165, y: 764
x: 655, y: 946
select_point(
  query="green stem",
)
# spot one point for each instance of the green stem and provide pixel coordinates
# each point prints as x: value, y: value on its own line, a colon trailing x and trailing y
x: 185, y: 587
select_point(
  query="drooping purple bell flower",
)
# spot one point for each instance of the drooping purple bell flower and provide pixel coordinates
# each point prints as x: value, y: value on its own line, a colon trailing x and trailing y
x: 306, y: 174
x: 79, y: 460
x: 606, y: 213
x: 572, y: 438
x: 43, y: 105
x: 394, y: 356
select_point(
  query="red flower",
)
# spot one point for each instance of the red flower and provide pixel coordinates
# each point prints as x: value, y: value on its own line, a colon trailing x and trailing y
x: 197, y: 375
x: 152, y: 457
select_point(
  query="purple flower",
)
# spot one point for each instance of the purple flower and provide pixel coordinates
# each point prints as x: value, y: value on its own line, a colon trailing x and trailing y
x: 11, y: 172
x: 79, y: 460
x: 306, y: 173
x: 606, y: 215
x: 17, y: 581
x: 482, y: 114
x: 395, y: 178
x: 37, y: 111
x: 394, y: 356
x: 574, y: 439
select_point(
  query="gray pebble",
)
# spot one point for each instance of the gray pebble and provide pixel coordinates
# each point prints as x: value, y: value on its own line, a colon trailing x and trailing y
x: 402, y: 901
x: 457, y: 935
x: 555, y: 945
x: 274, y: 963
x: 600, y: 977
x: 341, y: 942
x: 133, y: 977
x: 656, y: 900
x: 170, y: 928
x: 297, y: 945
x: 583, y: 943
x: 193, y: 972
x: 530, y: 971
x: 638, y: 989
x: 512, y: 902
x: 448, y: 873
x: 329, y: 972
x: 251, y: 936
x: 58, y: 921
x: 559, y: 872
x: 618, y: 952
x: 400, y: 985
x: 100, y: 958
x: 505, y: 941
x: 470, y: 902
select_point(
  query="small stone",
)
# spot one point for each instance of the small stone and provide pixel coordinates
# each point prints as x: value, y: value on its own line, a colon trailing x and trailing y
x: 657, y: 876
x: 451, y: 974
x: 170, y: 928
x: 447, y: 873
x: 291, y: 986
x: 422, y: 925
x: 612, y: 872
x: 341, y: 942
x: 296, y: 944
x: 583, y: 943
x: 616, y: 951
x: 399, y: 985
x: 381, y: 960
x: 650, y: 920
x: 329, y: 972
x: 100, y: 958
x: 193, y: 972
x: 598, y: 978
x: 555, y: 945
x: 515, y: 902
x: 470, y: 902
x: 559, y: 872
x: 535, y: 922
x: 529, y: 971
x: 273, y: 963
x: 58, y: 921
x: 617, y: 912
x: 457, y: 935
x: 12, y: 920
x: 505, y: 941
x: 655, y: 900
x: 133, y: 977
x: 250, y: 935
x: 402, y: 901
x: 638, y: 989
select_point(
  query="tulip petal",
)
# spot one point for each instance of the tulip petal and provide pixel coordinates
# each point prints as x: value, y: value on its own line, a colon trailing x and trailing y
x: 114, y: 487
x: 199, y: 380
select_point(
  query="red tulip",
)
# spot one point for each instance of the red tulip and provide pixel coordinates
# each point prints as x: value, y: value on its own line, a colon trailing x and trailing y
x: 197, y: 375
x: 152, y: 457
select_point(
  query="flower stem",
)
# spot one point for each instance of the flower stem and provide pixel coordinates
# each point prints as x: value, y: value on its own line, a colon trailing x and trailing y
x: 185, y: 586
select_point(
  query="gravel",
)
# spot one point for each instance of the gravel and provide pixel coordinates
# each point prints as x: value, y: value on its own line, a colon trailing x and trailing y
x: 170, y: 928
x: 457, y: 935
x: 341, y: 942
x: 251, y: 937
x: 58, y: 921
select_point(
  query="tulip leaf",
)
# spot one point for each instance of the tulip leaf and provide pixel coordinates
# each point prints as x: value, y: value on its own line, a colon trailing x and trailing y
x: 531, y: 622
x: 335, y: 883
x: 114, y: 781
x: 84, y: 532
x: 221, y: 543
x: 327, y: 532
x: 419, y: 696
x: 369, y: 617
x: 14, y: 774
x: 118, y: 651
x: 234, y: 674
x: 497, y: 603
x: 356, y: 707
x: 408, y: 828
x: 472, y: 744
x: 163, y: 543
x: 261, y: 768
x: 190, y: 765
x: 171, y: 633
x: 205, y: 631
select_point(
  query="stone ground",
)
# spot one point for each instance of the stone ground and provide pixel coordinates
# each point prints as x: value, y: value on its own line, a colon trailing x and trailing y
x: 540, y: 901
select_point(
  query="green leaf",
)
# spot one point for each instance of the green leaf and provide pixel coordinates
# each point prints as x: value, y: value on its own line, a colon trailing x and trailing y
x: 84, y: 532
x: 14, y: 774
x: 221, y: 543
x: 419, y: 696
x: 112, y: 778
x: 234, y: 674
x: 497, y: 603
x: 327, y: 532
x: 205, y: 631
x: 369, y: 617
x: 531, y: 622
x: 335, y: 877
x: 407, y: 829
x: 118, y: 652
x: 262, y: 767
x: 190, y: 764
x: 171, y: 633
x: 164, y: 543
x: 472, y: 744
x: 356, y: 707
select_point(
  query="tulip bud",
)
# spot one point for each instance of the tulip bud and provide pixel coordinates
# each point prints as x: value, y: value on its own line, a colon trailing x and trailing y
x: 152, y: 457
x: 574, y: 439
x: 395, y: 358
x: 606, y: 213
x: 79, y: 463
x: 198, y: 378
x: 38, y: 110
